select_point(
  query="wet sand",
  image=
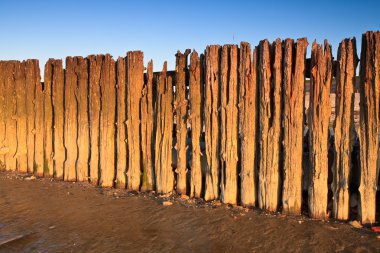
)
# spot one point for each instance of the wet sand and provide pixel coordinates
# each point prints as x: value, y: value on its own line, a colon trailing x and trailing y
x: 49, y: 216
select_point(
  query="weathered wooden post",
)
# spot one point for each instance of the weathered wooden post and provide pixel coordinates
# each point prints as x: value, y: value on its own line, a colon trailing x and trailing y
x: 2, y: 116
x: 369, y: 124
x: 39, y: 123
x: 147, y: 128
x: 57, y: 93
x: 83, y: 141
x: 121, y: 162
x: 71, y: 124
x: 135, y: 84
x: 164, y: 133
x: 248, y: 123
x: 180, y: 108
x: 196, y: 120
x: 318, y: 121
x: 270, y: 69
x: 107, y: 122
x: 212, y: 123
x: 293, y: 123
x: 229, y: 124
x: 10, y: 116
x: 21, y: 118
x: 95, y: 66
x: 48, y: 118
x: 344, y: 128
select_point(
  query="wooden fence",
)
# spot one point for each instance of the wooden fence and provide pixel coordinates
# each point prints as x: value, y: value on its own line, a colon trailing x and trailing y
x: 230, y: 124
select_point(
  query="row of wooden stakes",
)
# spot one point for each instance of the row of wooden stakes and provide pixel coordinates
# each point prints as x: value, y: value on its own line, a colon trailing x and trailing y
x: 229, y: 126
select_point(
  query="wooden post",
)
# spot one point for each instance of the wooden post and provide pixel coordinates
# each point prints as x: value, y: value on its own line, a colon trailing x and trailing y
x: 196, y: 120
x: 369, y: 125
x: 164, y: 133
x: 83, y: 141
x: 11, y: 116
x: 95, y: 65
x: 344, y: 128
x: 20, y: 91
x: 107, y: 122
x: 180, y: 108
x: 147, y: 119
x: 212, y: 124
x: 293, y: 123
x: 248, y: 117
x: 39, y: 123
x: 121, y: 162
x: 57, y: 91
x: 48, y: 118
x: 270, y: 68
x: 3, y: 114
x: 135, y: 83
x: 319, y: 115
x: 229, y: 124
x: 71, y: 124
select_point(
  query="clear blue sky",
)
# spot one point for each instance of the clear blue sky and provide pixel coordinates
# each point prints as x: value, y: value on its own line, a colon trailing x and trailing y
x: 56, y: 29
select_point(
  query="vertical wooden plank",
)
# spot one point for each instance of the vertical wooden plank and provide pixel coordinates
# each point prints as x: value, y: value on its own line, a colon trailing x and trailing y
x: 247, y: 123
x: 48, y: 118
x: 229, y: 124
x: 293, y: 123
x: 196, y: 111
x: 147, y: 119
x: 212, y: 125
x: 32, y: 77
x: 135, y: 83
x: 3, y: 113
x: 70, y: 128
x: 83, y: 137
x: 107, y: 122
x: 21, y: 120
x: 344, y: 128
x: 318, y: 121
x: 270, y: 65
x: 39, y: 123
x: 164, y: 129
x: 180, y: 108
x: 369, y: 124
x: 95, y: 65
x: 57, y: 91
x: 11, y: 116
x: 121, y: 166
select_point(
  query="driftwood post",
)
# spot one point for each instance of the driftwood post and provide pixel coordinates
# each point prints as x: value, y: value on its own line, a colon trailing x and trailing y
x: 196, y: 111
x: 48, y: 118
x: 83, y: 140
x: 2, y: 116
x: 20, y: 92
x: 319, y: 115
x: 247, y: 123
x: 121, y: 162
x: 180, y: 108
x: 229, y: 124
x: 293, y: 123
x: 135, y: 83
x: 95, y: 67
x: 70, y: 128
x: 147, y: 119
x: 369, y: 124
x: 270, y: 68
x: 107, y: 122
x: 212, y: 124
x: 344, y: 128
x: 11, y: 116
x: 39, y: 124
x: 57, y: 92
x: 164, y: 129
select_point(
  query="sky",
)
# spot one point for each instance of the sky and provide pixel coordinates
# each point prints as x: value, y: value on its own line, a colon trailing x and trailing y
x: 55, y: 29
